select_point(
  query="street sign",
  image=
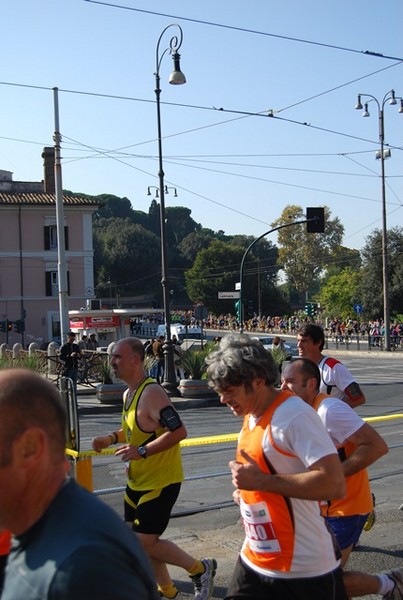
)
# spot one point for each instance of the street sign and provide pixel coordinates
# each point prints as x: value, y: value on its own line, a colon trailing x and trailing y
x: 228, y: 295
x: 238, y: 285
x: 357, y: 308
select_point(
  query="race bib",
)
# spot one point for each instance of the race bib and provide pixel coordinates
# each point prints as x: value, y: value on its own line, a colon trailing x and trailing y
x: 259, y: 529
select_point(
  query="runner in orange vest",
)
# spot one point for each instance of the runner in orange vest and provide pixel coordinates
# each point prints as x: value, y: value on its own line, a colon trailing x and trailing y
x: 285, y: 464
x: 359, y: 446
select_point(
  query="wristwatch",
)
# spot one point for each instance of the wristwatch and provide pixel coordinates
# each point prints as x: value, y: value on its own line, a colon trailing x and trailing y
x: 142, y: 450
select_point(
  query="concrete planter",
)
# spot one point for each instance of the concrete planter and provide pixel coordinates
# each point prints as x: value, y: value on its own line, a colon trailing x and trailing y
x: 196, y: 388
x: 110, y: 392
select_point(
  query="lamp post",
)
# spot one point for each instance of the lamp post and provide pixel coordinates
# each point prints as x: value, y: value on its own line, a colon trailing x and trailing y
x: 391, y: 98
x: 176, y: 78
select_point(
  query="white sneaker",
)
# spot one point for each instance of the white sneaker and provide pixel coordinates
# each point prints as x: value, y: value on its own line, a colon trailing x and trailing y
x: 204, y: 583
x: 397, y: 593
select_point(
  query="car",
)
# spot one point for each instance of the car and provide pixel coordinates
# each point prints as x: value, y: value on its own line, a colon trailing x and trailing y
x: 183, y: 332
x: 268, y: 344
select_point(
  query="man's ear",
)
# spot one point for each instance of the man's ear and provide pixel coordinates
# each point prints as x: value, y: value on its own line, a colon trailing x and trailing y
x: 31, y: 444
x: 312, y: 384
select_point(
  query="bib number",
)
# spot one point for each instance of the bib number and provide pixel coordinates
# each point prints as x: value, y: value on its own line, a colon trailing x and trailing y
x: 259, y: 529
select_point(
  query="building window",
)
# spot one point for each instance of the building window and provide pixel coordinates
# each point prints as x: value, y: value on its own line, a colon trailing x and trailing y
x: 52, y: 283
x: 50, y: 237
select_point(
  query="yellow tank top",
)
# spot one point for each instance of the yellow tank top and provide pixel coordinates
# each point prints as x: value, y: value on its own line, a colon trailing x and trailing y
x: 156, y: 471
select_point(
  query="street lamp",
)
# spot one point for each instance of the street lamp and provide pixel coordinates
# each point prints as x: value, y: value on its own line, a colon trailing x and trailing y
x: 382, y: 154
x: 176, y: 78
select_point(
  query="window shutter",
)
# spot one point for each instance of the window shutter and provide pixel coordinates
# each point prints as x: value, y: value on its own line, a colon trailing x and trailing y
x: 46, y: 234
x: 66, y: 237
x: 48, y: 283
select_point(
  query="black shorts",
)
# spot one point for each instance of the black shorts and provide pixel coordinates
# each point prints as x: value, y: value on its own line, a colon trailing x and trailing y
x: 246, y: 584
x: 150, y: 510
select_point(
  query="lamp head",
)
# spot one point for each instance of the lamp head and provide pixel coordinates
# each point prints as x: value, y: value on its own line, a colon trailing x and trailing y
x: 366, y: 112
x: 358, y: 106
x: 177, y: 77
x: 401, y: 106
x: 392, y: 100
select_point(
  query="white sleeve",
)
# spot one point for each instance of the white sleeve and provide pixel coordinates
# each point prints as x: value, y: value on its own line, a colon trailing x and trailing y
x: 297, y: 428
x: 340, y: 376
x: 339, y: 419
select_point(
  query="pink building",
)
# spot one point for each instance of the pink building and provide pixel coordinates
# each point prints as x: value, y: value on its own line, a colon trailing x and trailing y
x: 29, y: 259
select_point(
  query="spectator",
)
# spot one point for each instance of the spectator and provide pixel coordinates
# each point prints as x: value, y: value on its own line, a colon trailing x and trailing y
x: 92, y: 343
x: 70, y: 354
x: 67, y: 543
x: 159, y: 355
x: 82, y: 344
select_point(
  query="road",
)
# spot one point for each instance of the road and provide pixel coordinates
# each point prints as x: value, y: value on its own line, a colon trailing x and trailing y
x: 217, y: 531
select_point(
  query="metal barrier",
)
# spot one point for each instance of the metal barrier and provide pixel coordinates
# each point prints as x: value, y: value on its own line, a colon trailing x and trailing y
x: 359, y: 342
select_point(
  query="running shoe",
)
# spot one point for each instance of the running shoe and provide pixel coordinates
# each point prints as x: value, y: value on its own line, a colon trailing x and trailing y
x: 397, y: 593
x: 204, y: 583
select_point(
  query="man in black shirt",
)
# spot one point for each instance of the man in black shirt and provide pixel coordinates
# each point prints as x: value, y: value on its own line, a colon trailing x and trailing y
x: 70, y: 354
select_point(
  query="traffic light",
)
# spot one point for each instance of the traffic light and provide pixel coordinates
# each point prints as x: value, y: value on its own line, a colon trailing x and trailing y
x: 3, y: 326
x: 315, y: 219
x: 9, y: 325
x: 19, y: 326
x: 251, y: 307
x: 309, y: 308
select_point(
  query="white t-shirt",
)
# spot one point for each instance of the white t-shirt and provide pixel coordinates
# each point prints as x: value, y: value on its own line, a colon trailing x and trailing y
x: 339, y: 419
x: 335, y: 377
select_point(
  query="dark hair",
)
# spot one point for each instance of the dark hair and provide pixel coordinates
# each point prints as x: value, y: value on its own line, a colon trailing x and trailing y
x: 307, y: 367
x: 29, y: 400
x: 240, y: 360
x: 315, y: 332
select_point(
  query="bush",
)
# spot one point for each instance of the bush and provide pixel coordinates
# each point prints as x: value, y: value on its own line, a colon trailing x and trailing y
x: 194, y: 361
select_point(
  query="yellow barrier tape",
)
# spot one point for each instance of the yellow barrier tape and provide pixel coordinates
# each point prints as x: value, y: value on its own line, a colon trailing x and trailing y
x: 213, y: 439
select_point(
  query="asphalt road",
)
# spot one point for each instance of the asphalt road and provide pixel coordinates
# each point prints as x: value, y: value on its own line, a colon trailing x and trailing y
x: 208, y: 530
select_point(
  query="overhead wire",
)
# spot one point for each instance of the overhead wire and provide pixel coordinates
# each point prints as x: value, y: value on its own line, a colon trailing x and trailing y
x: 246, y: 30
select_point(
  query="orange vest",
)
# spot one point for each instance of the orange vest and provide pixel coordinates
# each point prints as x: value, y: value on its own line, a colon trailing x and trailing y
x: 358, y: 499
x: 267, y: 517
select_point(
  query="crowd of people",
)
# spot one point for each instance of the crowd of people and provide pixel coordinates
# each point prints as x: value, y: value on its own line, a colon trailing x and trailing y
x: 299, y: 476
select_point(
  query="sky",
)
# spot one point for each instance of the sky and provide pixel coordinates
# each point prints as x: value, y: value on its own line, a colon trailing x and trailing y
x: 234, y: 166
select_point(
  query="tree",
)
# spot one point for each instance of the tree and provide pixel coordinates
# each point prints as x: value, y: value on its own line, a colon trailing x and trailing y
x: 340, y: 292
x: 113, y: 206
x: 372, y: 273
x: 217, y: 268
x: 303, y: 255
x: 127, y: 254
x: 191, y: 245
x: 341, y: 258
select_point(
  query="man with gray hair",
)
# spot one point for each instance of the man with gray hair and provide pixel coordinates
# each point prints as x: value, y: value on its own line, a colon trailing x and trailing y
x: 67, y: 543
x: 285, y: 463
